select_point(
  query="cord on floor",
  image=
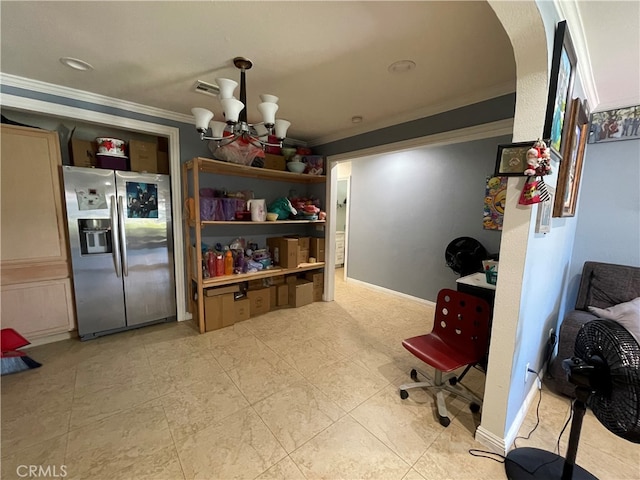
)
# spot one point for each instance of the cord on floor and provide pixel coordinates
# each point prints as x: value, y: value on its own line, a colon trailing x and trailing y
x: 496, y: 457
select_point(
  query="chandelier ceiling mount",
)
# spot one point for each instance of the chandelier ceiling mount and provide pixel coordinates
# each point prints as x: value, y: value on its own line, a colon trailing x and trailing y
x: 235, y: 111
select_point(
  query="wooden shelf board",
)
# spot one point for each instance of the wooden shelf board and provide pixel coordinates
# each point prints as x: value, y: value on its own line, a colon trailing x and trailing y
x: 238, y: 222
x: 208, y: 165
x: 243, y: 277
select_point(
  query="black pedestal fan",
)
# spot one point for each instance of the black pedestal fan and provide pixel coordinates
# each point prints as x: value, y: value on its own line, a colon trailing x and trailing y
x: 606, y: 371
x: 464, y: 255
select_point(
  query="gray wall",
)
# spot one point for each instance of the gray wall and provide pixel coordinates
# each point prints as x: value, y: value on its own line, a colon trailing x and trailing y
x: 406, y: 207
x: 608, y: 228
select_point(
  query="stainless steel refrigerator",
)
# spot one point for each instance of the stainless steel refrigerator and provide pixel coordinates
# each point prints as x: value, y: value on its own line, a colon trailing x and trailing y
x: 120, y: 235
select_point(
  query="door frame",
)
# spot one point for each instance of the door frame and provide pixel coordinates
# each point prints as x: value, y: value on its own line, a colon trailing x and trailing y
x: 172, y: 133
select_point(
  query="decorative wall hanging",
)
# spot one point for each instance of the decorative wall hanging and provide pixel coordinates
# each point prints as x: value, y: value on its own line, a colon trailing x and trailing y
x: 538, y: 165
x: 571, y: 166
x: 512, y: 159
x: 494, y: 202
x: 563, y: 65
x: 617, y: 124
x: 543, y: 220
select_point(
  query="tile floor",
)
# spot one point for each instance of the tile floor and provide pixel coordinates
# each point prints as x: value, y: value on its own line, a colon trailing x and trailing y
x: 293, y: 394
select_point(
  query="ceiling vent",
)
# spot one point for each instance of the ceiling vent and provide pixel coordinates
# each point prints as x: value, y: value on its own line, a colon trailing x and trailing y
x: 206, y: 88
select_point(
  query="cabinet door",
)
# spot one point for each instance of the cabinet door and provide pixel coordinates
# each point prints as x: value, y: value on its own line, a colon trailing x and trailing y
x: 32, y: 216
x: 38, y: 308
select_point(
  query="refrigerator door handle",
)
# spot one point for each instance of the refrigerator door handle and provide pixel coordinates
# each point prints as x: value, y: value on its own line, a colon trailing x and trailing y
x: 123, y: 238
x: 115, y: 238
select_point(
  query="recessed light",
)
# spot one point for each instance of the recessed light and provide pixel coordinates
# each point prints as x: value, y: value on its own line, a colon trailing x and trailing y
x: 401, y: 66
x: 76, y: 64
x: 356, y: 119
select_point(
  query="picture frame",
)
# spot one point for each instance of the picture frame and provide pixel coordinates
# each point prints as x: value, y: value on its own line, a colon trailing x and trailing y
x: 614, y: 125
x: 545, y: 210
x: 511, y: 160
x: 570, y: 171
x: 563, y: 67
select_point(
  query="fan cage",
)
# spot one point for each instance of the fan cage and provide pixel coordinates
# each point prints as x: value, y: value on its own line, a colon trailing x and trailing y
x: 617, y: 406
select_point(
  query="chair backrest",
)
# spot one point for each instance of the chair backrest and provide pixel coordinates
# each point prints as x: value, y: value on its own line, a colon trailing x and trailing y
x: 462, y: 321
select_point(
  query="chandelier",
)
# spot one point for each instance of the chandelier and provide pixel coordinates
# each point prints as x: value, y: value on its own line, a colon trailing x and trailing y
x: 235, y: 112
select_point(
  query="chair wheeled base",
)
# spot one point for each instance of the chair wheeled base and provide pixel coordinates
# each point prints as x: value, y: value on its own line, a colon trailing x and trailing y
x: 448, y: 382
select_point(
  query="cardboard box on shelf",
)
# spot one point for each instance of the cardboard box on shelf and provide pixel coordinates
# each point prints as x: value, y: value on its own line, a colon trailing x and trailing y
x: 255, y: 284
x: 219, y: 311
x: 274, y: 162
x: 243, y: 309
x: 300, y: 293
x: 83, y: 152
x: 143, y: 156
x: 282, y: 295
x: 260, y: 301
x: 273, y: 295
x: 163, y: 163
x: 212, y: 292
x: 303, y: 248
x: 277, y: 280
x: 316, y: 248
x: 318, y: 284
x: 287, y: 251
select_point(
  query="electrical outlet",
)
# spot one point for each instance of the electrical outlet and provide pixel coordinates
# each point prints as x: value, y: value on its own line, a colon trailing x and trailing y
x: 526, y: 373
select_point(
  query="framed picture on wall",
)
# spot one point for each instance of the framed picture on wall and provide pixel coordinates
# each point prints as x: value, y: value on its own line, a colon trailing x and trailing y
x: 616, y: 124
x: 571, y: 167
x: 512, y: 159
x: 563, y: 66
x: 545, y: 209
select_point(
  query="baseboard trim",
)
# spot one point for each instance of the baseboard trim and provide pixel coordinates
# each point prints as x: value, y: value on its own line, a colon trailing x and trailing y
x: 489, y: 440
x: 377, y: 288
x: 56, y: 337
x: 512, y: 433
x: 503, y: 445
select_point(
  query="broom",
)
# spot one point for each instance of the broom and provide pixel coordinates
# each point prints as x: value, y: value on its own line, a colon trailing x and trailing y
x: 13, y: 360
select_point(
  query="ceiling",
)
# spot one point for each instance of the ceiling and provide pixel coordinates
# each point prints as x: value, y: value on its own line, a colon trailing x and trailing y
x: 327, y: 61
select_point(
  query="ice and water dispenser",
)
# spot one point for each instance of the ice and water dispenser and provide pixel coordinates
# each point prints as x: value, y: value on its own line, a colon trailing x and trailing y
x: 95, y: 235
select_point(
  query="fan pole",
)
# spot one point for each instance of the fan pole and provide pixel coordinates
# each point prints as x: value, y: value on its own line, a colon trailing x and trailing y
x: 579, y: 409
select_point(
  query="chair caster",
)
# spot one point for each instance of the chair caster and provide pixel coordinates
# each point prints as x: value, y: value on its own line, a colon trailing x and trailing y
x: 453, y: 380
x: 474, y: 407
x: 404, y: 394
x: 444, y: 421
x: 414, y: 375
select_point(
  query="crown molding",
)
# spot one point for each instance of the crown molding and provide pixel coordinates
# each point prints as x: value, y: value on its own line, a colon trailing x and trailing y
x: 467, y: 134
x: 428, y: 111
x: 568, y: 10
x: 84, y: 96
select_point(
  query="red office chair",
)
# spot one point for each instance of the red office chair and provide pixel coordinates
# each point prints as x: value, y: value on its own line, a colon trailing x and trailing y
x: 459, y: 338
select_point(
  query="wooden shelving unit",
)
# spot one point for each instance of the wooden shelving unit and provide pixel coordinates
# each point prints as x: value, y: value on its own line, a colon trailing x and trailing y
x: 206, y: 165
x: 199, y: 165
x: 271, y: 272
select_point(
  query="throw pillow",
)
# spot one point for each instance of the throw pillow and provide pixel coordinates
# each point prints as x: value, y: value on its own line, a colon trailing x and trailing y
x: 626, y: 314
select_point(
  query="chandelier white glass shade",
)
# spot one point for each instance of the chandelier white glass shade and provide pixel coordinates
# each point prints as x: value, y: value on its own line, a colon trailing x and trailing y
x: 235, y: 113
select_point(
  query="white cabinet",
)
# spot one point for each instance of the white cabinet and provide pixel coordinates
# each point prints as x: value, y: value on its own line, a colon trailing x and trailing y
x: 35, y: 277
x: 339, y: 248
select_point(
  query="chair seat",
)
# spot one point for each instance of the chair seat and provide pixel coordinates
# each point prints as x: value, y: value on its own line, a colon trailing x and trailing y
x: 432, y: 350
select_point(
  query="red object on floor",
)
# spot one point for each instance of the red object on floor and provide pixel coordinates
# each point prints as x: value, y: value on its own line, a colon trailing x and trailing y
x: 10, y: 340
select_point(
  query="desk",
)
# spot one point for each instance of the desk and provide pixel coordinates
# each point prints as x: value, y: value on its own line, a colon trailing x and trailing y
x: 476, y: 284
